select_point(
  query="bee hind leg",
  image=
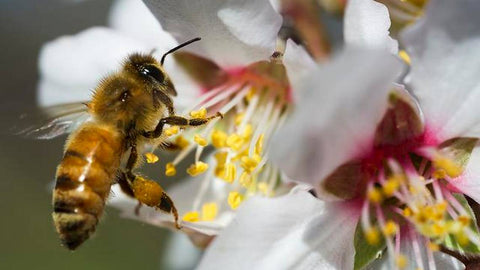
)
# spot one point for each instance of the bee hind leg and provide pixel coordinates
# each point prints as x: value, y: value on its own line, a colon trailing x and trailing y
x: 148, y: 192
x: 126, y: 187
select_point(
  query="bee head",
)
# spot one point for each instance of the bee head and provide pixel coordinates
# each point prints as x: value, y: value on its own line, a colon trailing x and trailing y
x: 147, y: 69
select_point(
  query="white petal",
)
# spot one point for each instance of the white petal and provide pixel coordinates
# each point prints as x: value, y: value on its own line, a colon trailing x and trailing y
x: 295, y: 231
x: 336, y: 116
x: 444, y: 48
x: 134, y: 19
x: 298, y: 64
x: 234, y: 32
x: 71, y: 66
x: 366, y: 24
x: 469, y: 182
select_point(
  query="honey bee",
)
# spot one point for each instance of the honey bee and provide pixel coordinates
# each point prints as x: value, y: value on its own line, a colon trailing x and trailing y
x: 128, y: 109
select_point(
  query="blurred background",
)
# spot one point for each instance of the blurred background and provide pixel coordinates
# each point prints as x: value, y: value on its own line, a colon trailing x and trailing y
x: 27, y: 236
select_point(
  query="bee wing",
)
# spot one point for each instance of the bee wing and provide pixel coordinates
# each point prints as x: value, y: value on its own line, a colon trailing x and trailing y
x: 50, y: 122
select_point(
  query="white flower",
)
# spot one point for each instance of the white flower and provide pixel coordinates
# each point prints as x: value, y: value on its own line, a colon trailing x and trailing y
x: 387, y: 170
x: 240, y: 80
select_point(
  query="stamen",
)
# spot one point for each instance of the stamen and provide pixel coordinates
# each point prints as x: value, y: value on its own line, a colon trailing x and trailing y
x: 202, y: 113
x: 235, y: 199
x: 246, y: 180
x: 372, y: 235
x: 404, y: 56
x: 447, y: 165
x: 192, y: 216
x: 374, y: 195
x: 390, y: 228
x: 171, y: 131
x: 181, y: 142
x: 200, y: 140
x: 151, y: 157
x: 401, y: 261
x: 218, y: 138
x: 209, y: 211
x: 230, y: 173
x: 197, y: 168
x: 170, y: 169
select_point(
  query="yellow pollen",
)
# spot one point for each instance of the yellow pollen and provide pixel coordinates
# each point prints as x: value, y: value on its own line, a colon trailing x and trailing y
x: 407, y: 212
x: 246, y: 180
x: 218, y: 138
x: 374, y: 195
x: 171, y: 131
x: 202, y: 113
x: 209, y: 211
x: 192, y: 216
x: 401, y: 261
x: 439, y: 174
x: 247, y: 132
x: 230, y: 173
x: 250, y: 163
x: 235, y: 142
x: 181, y: 142
x: 250, y: 94
x: 263, y: 188
x: 259, y: 144
x: 454, y: 226
x: 151, y: 157
x: 451, y: 168
x: 235, y: 199
x: 464, y: 220
x: 221, y: 158
x: 220, y: 172
x: 404, y: 56
x: 439, y: 229
x: 390, y: 228
x: 239, y: 118
x: 421, y: 217
x: 462, y: 238
x: 372, y: 236
x: 441, y: 206
x: 412, y: 189
x: 170, y: 169
x: 200, y: 140
x: 390, y: 186
x: 197, y: 168
x: 433, y: 246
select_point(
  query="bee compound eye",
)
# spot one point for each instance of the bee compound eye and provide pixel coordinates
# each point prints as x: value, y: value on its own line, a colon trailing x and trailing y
x: 153, y: 72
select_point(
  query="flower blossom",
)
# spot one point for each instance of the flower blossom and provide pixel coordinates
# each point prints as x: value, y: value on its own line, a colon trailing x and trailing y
x: 238, y: 69
x: 394, y: 167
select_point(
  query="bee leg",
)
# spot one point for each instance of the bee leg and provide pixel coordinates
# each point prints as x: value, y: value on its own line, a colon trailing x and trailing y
x: 132, y: 160
x: 124, y: 184
x: 166, y: 204
x: 137, y: 209
x: 177, y: 121
x: 150, y: 193
x: 171, y: 146
x: 166, y: 100
x: 126, y: 187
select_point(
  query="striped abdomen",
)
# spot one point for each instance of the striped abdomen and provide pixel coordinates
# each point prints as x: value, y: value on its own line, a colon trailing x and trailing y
x: 84, y: 176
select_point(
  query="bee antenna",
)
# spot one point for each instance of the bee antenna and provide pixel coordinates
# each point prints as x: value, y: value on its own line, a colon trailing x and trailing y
x: 178, y: 47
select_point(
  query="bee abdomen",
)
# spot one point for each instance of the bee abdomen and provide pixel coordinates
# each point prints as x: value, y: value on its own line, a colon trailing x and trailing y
x: 83, y: 182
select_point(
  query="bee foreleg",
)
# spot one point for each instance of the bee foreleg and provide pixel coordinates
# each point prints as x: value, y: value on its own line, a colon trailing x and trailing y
x: 178, y: 121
